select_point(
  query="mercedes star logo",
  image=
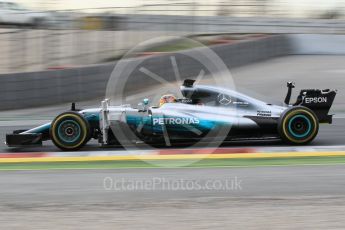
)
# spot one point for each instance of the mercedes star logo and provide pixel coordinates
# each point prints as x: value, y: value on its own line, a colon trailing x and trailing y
x: 224, y: 99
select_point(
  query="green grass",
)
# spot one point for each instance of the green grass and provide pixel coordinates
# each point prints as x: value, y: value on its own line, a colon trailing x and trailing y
x: 174, y: 163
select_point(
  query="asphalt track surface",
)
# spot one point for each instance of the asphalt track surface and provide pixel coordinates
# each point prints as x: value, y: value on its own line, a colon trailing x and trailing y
x: 305, y: 197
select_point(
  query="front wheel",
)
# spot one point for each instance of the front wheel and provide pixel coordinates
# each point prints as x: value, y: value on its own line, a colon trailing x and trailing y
x: 298, y: 125
x: 70, y: 131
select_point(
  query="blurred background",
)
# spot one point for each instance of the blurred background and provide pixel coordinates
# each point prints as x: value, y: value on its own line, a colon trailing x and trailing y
x: 55, y: 52
x: 53, y: 34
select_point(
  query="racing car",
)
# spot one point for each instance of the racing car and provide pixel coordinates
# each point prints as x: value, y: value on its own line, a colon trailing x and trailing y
x: 204, y: 112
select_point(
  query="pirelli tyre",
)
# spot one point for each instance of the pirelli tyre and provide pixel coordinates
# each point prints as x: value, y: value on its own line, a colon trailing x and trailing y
x: 298, y: 125
x: 70, y: 131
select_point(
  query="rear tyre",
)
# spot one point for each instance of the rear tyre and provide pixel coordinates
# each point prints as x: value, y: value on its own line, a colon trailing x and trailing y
x: 70, y: 131
x: 298, y: 125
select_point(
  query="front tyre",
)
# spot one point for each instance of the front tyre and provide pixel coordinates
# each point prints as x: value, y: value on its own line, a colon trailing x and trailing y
x: 298, y: 125
x: 70, y: 131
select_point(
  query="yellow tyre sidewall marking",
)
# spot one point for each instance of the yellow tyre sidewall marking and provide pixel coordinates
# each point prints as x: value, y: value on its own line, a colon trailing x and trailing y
x: 81, y: 123
x: 292, y: 114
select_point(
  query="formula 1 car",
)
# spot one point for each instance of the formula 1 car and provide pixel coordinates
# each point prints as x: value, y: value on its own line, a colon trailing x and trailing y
x: 199, y: 115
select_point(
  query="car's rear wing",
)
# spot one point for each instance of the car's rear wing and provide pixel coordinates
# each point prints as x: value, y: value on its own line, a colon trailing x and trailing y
x: 319, y: 101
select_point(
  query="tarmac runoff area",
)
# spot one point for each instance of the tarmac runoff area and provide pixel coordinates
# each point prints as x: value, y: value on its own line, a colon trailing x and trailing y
x: 302, y: 197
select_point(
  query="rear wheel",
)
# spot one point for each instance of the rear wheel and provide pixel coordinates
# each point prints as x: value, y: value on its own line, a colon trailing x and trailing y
x: 298, y: 125
x: 70, y: 131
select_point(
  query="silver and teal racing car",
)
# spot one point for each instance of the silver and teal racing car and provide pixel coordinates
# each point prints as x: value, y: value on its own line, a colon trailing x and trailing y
x: 205, y: 114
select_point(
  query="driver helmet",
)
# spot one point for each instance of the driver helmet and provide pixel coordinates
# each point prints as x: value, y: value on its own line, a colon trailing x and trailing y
x: 168, y: 98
